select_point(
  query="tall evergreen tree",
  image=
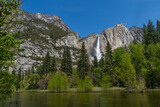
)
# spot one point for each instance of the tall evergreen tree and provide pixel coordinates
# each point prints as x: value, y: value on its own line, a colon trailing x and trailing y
x: 19, y: 76
x: 95, y: 62
x: 66, y: 64
x: 108, y: 59
x: 32, y: 69
x: 83, y: 62
x: 158, y: 26
x: 151, y: 35
x: 101, y: 63
x: 53, y: 65
x: 45, y: 68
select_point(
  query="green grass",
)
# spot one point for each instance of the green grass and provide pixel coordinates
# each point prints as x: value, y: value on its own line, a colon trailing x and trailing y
x: 95, y: 89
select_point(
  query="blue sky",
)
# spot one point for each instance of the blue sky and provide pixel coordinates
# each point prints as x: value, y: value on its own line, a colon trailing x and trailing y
x: 93, y: 16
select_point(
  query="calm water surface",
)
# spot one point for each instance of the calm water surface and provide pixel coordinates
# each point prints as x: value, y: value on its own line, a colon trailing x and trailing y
x: 107, y: 99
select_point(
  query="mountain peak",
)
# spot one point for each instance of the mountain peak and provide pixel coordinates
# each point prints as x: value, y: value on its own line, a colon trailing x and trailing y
x: 120, y: 25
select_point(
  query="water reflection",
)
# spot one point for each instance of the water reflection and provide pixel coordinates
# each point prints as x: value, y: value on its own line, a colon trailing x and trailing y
x: 108, y: 99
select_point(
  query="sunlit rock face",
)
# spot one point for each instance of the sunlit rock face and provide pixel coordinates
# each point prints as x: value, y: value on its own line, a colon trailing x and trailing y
x: 91, y: 44
x: 40, y: 41
x: 117, y: 36
x: 137, y: 33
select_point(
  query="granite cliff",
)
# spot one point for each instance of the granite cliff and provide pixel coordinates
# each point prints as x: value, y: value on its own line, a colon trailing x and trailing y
x: 44, y: 33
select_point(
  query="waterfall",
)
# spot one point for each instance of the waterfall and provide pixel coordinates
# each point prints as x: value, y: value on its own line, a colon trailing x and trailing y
x: 98, y: 52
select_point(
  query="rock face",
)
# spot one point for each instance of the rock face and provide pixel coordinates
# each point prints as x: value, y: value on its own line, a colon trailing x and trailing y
x: 44, y: 33
x: 53, y: 19
x: 137, y: 33
x: 117, y: 36
x: 90, y: 43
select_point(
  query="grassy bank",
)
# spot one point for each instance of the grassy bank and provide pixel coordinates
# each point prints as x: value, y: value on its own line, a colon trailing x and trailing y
x: 95, y: 89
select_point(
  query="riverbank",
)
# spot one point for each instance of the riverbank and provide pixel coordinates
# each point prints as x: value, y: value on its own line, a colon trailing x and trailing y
x: 94, y: 90
x: 74, y: 90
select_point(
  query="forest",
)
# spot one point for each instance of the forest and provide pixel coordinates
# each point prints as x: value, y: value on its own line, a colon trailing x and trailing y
x: 136, y: 66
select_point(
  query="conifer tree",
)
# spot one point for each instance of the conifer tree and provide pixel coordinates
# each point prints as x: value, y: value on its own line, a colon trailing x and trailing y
x: 45, y: 68
x: 19, y: 74
x: 158, y: 26
x: 95, y: 62
x: 108, y: 60
x: 32, y: 69
x: 53, y: 65
x: 83, y: 62
x: 151, y: 35
x: 66, y: 64
x: 101, y: 63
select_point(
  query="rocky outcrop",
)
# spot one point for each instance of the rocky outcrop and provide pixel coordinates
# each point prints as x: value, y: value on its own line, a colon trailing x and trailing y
x: 117, y: 36
x: 90, y: 43
x: 53, y: 19
x: 70, y: 40
x: 137, y: 33
x: 41, y: 36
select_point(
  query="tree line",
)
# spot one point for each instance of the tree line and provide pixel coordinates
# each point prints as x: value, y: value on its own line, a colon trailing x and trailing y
x: 134, y: 67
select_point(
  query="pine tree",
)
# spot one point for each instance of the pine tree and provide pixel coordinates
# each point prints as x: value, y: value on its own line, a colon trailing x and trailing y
x: 69, y: 62
x: 66, y: 64
x: 32, y: 69
x: 53, y: 65
x: 101, y: 63
x: 108, y: 60
x: 95, y: 62
x: 19, y: 74
x: 151, y: 35
x: 83, y: 62
x: 158, y: 30
x: 158, y: 26
x: 45, y: 68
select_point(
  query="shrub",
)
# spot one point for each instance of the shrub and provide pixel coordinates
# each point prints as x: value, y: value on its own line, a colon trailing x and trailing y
x: 6, y: 85
x: 58, y: 82
x: 106, y: 81
x: 84, y: 85
x: 30, y: 82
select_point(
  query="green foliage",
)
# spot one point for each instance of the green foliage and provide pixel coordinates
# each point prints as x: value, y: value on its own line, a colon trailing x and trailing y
x: 138, y: 57
x: 106, y: 81
x: 139, y: 61
x: 84, y: 85
x: 83, y: 62
x: 66, y: 64
x: 153, y: 66
x: 33, y: 32
x: 53, y: 65
x: 58, y: 82
x: 24, y: 84
x: 97, y: 72
x: 101, y: 63
x: 117, y: 55
x: 109, y: 65
x: 45, y: 68
x: 30, y: 81
x: 109, y: 60
x: 9, y: 45
x: 95, y: 62
x: 33, y: 80
x: 127, y: 71
x: 151, y: 34
x: 6, y: 85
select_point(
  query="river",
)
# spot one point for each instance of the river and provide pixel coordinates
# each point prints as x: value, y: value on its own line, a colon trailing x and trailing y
x: 105, y: 99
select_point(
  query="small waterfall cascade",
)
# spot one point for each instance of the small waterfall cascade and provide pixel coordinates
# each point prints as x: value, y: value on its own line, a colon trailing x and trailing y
x: 97, y: 49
